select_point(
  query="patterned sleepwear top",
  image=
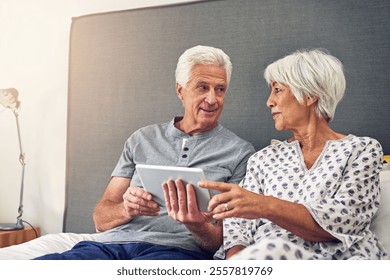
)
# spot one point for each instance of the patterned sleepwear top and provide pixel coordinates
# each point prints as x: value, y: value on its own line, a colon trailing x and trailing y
x: 340, y: 190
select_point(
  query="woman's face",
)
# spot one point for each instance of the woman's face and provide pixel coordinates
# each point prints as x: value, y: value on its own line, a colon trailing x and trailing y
x: 287, y: 112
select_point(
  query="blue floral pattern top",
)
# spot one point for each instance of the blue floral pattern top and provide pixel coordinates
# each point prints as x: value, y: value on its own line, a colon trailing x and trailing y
x: 341, y: 191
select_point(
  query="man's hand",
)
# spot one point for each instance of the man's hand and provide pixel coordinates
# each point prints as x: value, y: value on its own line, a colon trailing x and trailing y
x: 181, y: 203
x: 138, y: 202
x: 182, y: 206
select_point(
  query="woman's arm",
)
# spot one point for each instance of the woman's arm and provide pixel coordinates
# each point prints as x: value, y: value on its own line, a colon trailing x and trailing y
x: 295, y: 218
x: 234, y: 250
x: 245, y: 204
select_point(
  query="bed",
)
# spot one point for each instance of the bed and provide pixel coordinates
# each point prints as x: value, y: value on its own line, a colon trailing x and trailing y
x: 121, y: 77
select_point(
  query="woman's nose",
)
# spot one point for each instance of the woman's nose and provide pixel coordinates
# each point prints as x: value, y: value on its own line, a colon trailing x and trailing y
x: 270, y: 102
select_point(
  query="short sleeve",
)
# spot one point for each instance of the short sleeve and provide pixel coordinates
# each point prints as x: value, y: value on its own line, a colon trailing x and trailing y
x: 253, y: 180
x: 236, y: 231
x: 125, y: 166
x: 244, y: 154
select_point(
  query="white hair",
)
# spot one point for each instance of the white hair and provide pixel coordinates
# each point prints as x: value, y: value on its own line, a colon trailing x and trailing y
x: 311, y: 73
x: 201, y: 55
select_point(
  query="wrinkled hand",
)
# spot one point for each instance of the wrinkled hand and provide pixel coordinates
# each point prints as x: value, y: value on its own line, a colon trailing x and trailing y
x: 181, y: 203
x: 233, y: 201
x: 138, y: 202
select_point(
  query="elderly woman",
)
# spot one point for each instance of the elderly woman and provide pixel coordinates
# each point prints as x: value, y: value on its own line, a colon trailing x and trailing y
x: 314, y: 195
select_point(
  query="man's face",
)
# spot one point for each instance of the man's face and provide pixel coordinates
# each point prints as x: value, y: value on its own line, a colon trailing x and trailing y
x: 203, y: 98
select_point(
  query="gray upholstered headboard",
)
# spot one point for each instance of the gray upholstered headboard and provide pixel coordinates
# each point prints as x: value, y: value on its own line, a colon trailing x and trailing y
x: 121, y: 75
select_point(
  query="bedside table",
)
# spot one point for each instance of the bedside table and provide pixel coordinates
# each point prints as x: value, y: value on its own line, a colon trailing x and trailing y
x: 13, y: 237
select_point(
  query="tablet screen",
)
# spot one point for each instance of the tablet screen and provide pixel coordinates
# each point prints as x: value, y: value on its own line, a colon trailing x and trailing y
x: 153, y: 176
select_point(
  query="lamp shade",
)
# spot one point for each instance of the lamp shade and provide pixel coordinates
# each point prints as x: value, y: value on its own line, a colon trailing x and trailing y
x: 9, y: 98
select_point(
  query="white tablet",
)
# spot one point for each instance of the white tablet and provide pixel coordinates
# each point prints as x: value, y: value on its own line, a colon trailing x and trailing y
x: 153, y: 176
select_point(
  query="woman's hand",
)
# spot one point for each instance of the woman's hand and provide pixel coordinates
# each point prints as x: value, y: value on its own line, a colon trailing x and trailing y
x: 233, y: 201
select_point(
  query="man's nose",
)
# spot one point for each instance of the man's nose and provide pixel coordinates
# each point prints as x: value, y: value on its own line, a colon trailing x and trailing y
x: 211, y: 97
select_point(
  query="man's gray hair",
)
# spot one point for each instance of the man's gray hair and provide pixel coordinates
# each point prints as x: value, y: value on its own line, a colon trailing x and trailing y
x: 311, y: 73
x: 201, y: 55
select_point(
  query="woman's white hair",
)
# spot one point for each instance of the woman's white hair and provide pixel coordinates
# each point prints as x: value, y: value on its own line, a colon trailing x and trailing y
x: 201, y: 55
x: 311, y: 73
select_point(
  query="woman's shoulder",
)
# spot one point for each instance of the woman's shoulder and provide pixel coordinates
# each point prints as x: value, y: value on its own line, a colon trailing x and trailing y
x: 362, y: 148
x: 275, y: 147
x: 361, y: 142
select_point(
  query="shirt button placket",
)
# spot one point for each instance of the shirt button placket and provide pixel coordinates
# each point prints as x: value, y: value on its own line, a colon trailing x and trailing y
x: 184, y: 154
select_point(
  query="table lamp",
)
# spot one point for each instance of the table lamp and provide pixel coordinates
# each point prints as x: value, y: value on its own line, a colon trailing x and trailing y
x: 9, y: 99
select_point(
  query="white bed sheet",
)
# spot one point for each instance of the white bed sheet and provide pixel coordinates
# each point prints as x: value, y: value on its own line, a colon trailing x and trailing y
x: 46, y: 244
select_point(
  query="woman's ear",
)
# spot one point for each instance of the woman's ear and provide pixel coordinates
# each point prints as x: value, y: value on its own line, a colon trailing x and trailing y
x: 310, y: 100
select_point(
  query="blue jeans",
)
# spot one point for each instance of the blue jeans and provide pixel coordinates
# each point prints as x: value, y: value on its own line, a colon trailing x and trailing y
x: 91, y: 250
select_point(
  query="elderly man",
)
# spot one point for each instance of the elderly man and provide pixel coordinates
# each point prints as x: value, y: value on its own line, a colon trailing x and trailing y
x: 131, y: 224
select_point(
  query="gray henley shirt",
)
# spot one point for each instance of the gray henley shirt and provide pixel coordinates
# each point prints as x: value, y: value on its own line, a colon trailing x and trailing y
x: 220, y: 153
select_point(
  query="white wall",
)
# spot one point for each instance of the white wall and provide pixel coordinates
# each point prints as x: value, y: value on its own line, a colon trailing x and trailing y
x: 34, y: 45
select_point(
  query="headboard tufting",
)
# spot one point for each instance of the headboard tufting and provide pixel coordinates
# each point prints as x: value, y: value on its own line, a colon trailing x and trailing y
x: 121, y: 75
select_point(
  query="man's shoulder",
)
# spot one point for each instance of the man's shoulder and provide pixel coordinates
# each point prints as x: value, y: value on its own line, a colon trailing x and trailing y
x: 152, y: 127
x: 232, y: 136
x: 151, y: 131
x: 235, y: 140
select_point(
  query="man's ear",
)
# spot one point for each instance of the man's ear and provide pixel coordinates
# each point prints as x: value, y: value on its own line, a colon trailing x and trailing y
x: 179, y: 89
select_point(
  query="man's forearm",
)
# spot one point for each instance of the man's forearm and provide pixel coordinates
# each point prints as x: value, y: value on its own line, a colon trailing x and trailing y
x: 207, y: 235
x: 109, y: 216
